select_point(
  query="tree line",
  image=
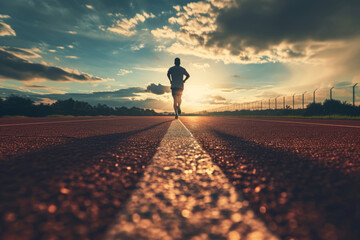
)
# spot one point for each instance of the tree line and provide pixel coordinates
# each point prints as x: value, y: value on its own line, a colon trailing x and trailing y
x: 20, y: 106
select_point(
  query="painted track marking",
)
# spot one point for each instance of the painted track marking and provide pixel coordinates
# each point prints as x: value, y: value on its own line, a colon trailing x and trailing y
x: 184, y: 195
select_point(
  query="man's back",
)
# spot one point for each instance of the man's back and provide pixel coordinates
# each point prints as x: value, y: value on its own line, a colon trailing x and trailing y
x: 177, y: 76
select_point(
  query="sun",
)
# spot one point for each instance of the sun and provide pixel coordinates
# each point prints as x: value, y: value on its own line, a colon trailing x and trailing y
x: 195, y: 94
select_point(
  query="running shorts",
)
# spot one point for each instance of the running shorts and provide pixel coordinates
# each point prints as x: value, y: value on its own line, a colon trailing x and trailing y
x: 177, y: 91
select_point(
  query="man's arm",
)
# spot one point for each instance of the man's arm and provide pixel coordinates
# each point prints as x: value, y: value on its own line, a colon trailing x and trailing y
x: 168, y: 75
x: 187, y: 76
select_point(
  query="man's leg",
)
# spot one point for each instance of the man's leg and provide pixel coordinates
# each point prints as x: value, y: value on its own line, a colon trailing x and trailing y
x: 179, y: 100
x: 175, y: 104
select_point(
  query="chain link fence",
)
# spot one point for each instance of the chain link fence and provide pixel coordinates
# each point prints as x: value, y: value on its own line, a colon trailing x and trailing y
x: 350, y: 94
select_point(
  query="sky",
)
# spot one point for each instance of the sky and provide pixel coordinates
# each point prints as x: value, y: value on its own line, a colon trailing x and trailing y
x: 118, y: 52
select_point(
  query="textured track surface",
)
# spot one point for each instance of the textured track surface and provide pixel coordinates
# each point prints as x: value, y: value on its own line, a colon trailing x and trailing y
x: 301, y: 179
x: 68, y: 180
x: 183, y: 195
x: 23, y: 135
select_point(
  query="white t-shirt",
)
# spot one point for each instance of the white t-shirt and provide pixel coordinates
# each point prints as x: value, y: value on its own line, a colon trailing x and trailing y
x: 177, y: 76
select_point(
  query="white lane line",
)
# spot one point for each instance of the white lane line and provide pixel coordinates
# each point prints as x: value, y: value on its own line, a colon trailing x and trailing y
x: 67, y: 121
x: 301, y: 123
x: 186, y: 128
x: 184, y: 195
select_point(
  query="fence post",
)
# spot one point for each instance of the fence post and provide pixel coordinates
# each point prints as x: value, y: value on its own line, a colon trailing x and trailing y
x: 276, y: 102
x: 260, y: 105
x: 294, y: 101
x: 284, y: 102
x: 303, y: 101
x: 314, y: 95
x: 331, y: 98
x: 354, y: 93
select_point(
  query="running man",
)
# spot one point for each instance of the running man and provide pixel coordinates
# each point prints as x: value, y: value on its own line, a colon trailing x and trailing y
x: 177, y: 84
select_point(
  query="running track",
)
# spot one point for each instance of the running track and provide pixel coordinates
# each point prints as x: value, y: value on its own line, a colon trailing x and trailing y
x: 76, y: 178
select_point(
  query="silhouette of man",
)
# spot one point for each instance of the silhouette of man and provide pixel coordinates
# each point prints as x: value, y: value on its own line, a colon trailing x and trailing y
x: 176, y: 77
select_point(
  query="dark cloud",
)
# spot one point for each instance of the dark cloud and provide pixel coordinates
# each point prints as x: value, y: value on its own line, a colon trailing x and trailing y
x: 100, y: 97
x: 157, y: 89
x: 262, y: 23
x: 21, y: 52
x: 217, y: 99
x: 239, y: 77
x: 4, y: 92
x: 118, y: 98
x: 17, y: 68
x: 36, y: 86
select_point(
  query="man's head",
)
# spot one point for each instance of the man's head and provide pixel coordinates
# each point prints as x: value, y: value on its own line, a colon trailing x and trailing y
x: 177, y: 61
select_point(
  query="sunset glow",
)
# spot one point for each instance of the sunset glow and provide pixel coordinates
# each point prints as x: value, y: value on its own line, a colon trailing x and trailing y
x: 111, y: 52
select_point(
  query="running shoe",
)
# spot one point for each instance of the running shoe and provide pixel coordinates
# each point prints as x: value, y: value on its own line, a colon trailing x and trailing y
x: 179, y: 110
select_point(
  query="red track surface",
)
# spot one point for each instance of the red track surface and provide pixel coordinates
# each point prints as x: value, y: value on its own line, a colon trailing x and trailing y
x: 68, y: 180
x: 302, y: 179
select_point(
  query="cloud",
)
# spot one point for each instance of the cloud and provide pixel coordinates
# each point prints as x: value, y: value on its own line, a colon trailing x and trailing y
x: 36, y: 86
x: 214, y: 99
x: 200, y: 65
x: 152, y: 69
x: 4, y: 16
x: 177, y: 7
x: 70, y: 46
x: 126, y: 27
x: 123, y: 72
x: 258, y: 31
x: 137, y: 47
x: 262, y: 24
x: 128, y: 97
x: 89, y: 6
x: 164, y: 32
x: 22, y: 52
x: 72, y: 32
x: 45, y: 101
x: 122, y: 97
x: 60, y: 47
x: 6, y: 30
x: 72, y: 57
x: 12, y: 66
x: 157, y: 89
x: 239, y: 77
